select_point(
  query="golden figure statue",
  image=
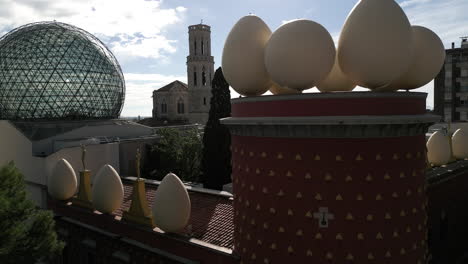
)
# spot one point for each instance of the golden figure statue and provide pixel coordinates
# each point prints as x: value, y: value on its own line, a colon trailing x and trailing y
x: 139, y: 211
x: 83, y: 155
x: 83, y: 198
x: 138, y: 158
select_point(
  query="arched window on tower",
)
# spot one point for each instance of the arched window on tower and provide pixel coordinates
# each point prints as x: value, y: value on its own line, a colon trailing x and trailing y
x: 194, y: 47
x: 180, y: 106
x: 163, y: 107
x: 203, y: 78
x: 195, y: 78
x: 202, y: 47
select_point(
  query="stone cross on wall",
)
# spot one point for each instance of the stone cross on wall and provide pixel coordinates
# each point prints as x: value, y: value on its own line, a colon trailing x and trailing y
x: 323, y: 217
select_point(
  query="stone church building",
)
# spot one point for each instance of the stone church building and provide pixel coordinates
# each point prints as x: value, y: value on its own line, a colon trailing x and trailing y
x: 190, y: 102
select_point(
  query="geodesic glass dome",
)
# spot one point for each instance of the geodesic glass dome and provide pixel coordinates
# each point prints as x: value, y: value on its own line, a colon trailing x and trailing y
x: 52, y: 70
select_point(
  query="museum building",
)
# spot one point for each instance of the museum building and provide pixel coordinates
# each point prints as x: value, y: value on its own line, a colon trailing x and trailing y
x: 61, y: 87
x: 312, y: 183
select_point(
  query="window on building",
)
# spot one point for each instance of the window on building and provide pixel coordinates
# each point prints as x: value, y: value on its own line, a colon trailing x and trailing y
x: 195, y: 78
x: 202, y: 47
x: 203, y: 78
x: 204, y: 100
x: 464, y: 73
x: 163, y: 107
x: 194, y: 47
x: 180, y: 106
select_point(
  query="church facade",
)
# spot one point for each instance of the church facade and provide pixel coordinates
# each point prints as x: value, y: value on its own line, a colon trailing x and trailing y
x: 189, y: 102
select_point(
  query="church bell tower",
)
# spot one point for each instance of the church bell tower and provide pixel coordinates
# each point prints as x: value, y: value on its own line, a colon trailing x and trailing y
x: 200, y: 71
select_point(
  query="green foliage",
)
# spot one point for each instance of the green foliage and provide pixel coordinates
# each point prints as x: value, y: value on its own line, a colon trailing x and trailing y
x: 176, y: 151
x: 27, y: 233
x: 216, y: 161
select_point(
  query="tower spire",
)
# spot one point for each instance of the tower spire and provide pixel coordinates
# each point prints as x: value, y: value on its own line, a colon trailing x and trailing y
x: 200, y: 71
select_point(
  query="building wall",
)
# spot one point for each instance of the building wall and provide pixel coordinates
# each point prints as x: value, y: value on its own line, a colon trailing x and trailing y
x: 439, y: 92
x: 86, y: 244
x: 115, y: 128
x: 171, y: 98
x: 447, y: 214
x: 14, y: 146
x: 451, y: 86
x: 92, y: 133
x: 96, y: 157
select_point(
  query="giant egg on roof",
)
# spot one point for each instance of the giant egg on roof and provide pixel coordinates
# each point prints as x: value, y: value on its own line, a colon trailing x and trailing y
x: 242, y: 59
x: 52, y: 70
x: 299, y: 54
x: 375, y: 45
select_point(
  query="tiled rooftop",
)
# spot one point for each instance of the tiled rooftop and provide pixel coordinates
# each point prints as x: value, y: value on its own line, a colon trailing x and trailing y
x: 441, y: 173
x: 211, y: 218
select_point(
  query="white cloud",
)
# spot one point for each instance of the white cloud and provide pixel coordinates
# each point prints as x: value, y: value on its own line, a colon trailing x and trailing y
x: 153, y: 77
x: 447, y: 18
x: 412, y: 2
x: 181, y: 9
x: 152, y: 47
x: 131, y: 28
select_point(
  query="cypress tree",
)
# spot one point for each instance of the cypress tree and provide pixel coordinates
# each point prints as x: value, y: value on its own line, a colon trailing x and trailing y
x: 27, y: 234
x: 216, y: 159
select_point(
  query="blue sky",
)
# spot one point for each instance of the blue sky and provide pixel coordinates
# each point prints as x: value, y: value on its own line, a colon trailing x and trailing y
x: 149, y: 38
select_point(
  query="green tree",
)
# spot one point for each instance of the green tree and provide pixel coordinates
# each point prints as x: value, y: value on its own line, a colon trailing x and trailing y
x: 216, y: 159
x: 176, y: 151
x: 27, y: 233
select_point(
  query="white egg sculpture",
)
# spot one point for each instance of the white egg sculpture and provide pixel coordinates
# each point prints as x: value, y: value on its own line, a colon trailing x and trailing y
x: 242, y: 59
x: 278, y: 90
x: 107, y: 190
x: 299, y: 54
x: 460, y: 144
x: 438, y: 149
x: 62, y: 183
x: 336, y: 80
x: 375, y: 45
x: 428, y: 58
x: 171, y: 207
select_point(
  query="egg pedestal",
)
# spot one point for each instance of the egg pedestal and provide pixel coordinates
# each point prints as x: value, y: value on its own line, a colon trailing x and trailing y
x: 83, y: 198
x: 139, y: 212
x: 321, y: 178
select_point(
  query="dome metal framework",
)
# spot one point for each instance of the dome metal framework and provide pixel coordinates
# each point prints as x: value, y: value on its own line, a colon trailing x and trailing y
x: 52, y: 70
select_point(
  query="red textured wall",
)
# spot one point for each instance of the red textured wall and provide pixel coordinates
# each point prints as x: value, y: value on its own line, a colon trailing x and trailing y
x: 339, y: 106
x: 279, y: 182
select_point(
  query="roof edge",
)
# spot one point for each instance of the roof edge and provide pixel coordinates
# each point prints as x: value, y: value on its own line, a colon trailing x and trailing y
x: 224, y: 194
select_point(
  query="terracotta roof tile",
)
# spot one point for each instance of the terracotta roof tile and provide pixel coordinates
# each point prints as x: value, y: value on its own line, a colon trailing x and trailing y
x: 211, y: 218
